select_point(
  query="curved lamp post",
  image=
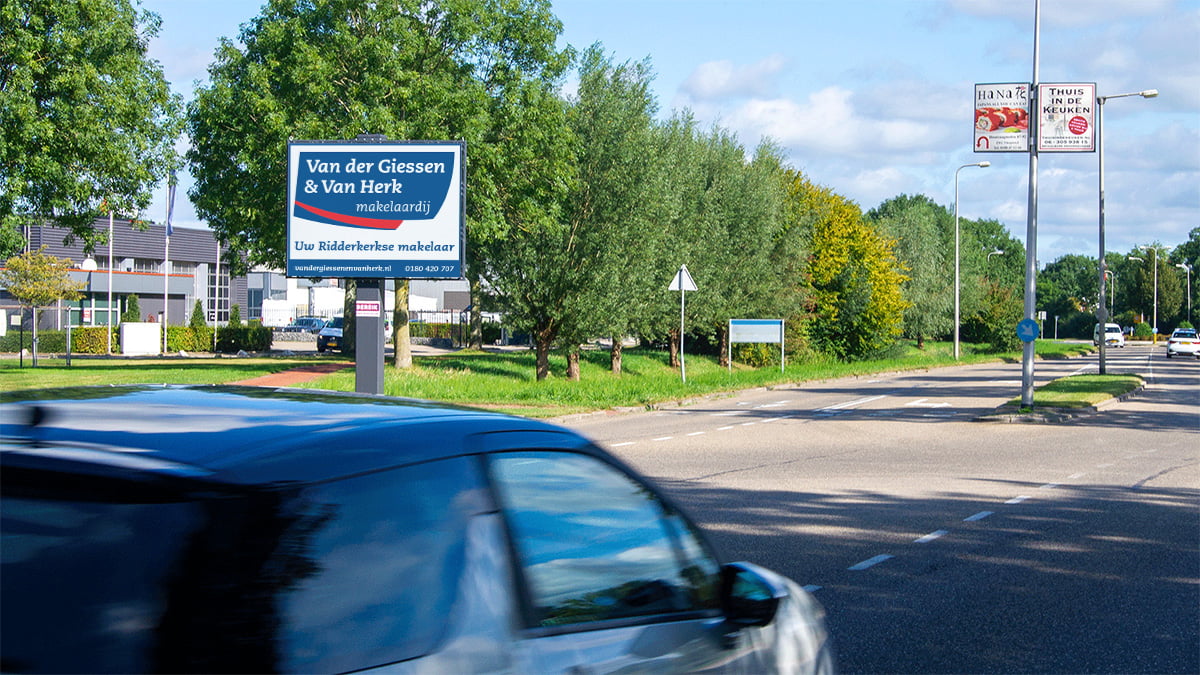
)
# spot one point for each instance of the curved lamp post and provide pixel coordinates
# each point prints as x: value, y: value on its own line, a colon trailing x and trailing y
x: 1101, y: 310
x: 956, y: 320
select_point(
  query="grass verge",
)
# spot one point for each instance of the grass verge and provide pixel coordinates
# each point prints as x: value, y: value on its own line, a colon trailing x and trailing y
x: 1081, y: 391
x: 506, y: 382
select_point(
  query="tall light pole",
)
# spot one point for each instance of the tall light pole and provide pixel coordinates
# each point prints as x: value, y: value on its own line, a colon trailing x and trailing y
x: 1112, y: 294
x: 1141, y: 314
x: 1101, y: 311
x: 1185, y: 266
x: 992, y: 253
x: 1154, y: 261
x: 980, y: 165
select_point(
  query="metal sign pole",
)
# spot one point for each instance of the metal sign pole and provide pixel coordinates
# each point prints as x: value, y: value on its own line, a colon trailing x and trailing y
x: 1031, y: 226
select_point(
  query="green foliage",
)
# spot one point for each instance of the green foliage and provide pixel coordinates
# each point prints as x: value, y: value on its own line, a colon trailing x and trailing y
x: 918, y: 226
x: 756, y: 355
x: 189, y: 338
x: 1143, y: 331
x: 235, y: 316
x: 89, y: 121
x: 333, y: 69
x: 133, y: 311
x: 251, y: 337
x: 37, y: 279
x: 84, y: 340
x: 92, y: 339
x: 198, y: 319
x: 853, y: 275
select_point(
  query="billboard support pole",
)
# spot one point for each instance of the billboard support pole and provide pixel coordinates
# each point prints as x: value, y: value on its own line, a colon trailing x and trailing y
x: 1031, y: 224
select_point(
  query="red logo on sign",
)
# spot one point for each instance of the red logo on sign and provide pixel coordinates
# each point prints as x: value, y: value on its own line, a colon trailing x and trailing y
x: 1078, y: 126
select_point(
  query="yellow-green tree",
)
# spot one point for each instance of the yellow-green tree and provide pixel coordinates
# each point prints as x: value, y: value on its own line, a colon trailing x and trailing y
x: 854, y: 279
x: 36, y: 280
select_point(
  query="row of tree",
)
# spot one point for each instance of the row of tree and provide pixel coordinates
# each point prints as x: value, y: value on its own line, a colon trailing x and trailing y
x: 580, y: 208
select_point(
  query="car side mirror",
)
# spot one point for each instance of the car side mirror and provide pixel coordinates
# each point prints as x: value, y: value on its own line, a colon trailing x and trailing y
x: 748, y: 597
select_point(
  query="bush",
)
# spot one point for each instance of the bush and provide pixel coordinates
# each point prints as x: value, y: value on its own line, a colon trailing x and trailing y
x: 251, y: 337
x: 756, y: 354
x: 132, y: 311
x: 190, y: 339
x: 91, y: 339
x: 1142, y: 331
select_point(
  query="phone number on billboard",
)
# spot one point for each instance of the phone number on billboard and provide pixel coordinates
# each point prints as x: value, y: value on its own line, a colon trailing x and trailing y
x: 429, y: 268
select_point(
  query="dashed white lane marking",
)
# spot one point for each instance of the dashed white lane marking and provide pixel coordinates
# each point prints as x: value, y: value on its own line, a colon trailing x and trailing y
x: 811, y: 588
x: 724, y: 428
x: 747, y: 424
x: 1050, y: 486
x: 773, y: 419
x: 936, y: 534
x: 696, y: 433
x: 869, y: 562
x: 1076, y: 475
x: 851, y: 404
x: 978, y: 516
x: 921, y: 403
x: 662, y: 438
x: 1017, y: 500
x: 620, y: 445
x: 1105, y: 466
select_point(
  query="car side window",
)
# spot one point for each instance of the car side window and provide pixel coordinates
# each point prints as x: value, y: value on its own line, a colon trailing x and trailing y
x: 596, y: 545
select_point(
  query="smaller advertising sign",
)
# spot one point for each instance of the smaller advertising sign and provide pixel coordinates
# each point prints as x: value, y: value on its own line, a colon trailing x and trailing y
x: 365, y: 308
x: 1067, y: 117
x: 1002, y: 117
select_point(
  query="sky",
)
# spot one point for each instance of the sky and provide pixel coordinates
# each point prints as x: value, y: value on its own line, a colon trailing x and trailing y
x: 874, y: 98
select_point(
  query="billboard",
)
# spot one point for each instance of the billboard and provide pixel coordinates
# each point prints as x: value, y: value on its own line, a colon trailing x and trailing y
x: 391, y: 209
x: 1066, y: 117
x: 1002, y: 117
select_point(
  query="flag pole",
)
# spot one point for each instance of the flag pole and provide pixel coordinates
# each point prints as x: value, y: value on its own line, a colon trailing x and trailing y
x: 167, y: 256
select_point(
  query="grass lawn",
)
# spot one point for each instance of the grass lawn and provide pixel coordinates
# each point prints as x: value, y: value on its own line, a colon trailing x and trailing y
x: 1081, y: 391
x: 505, y: 381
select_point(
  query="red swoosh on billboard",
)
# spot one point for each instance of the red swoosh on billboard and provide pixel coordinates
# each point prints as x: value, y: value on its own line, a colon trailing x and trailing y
x: 377, y: 223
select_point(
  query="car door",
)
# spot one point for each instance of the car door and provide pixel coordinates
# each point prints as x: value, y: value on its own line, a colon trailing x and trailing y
x: 611, y: 578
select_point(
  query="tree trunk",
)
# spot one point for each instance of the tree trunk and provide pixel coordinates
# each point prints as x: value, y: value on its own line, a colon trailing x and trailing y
x: 476, y: 339
x: 573, y: 364
x: 615, y: 355
x: 723, y: 345
x: 401, y: 331
x: 542, y: 339
x: 349, y: 344
x: 920, y: 341
x: 673, y: 349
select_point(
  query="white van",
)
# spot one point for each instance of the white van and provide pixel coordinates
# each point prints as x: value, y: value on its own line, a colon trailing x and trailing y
x: 1113, y: 336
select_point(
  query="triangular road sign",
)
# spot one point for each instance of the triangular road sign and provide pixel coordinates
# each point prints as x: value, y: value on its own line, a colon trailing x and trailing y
x: 682, y: 281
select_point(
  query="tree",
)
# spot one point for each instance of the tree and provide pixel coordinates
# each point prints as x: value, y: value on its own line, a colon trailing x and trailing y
x: 89, y: 121
x: 197, y: 320
x: 334, y: 69
x: 133, y: 312
x: 928, y: 260
x: 36, y: 280
x: 853, y: 275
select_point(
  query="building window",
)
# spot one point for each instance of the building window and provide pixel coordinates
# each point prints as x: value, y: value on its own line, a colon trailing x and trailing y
x: 218, y: 295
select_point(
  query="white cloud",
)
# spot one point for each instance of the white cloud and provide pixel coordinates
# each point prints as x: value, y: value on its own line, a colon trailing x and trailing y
x: 717, y: 80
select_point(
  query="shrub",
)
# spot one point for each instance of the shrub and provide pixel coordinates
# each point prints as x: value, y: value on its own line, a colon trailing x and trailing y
x: 1142, y: 331
x: 251, y: 337
x: 197, y: 319
x: 91, y: 339
x: 132, y: 311
x: 756, y: 354
x: 235, y: 316
x: 188, y: 338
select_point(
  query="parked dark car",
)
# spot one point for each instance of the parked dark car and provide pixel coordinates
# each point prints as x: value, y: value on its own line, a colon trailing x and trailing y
x: 305, y: 324
x: 330, y: 336
x: 221, y: 529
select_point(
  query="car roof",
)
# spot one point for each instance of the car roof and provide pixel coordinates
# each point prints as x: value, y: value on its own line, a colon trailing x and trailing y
x: 246, y: 435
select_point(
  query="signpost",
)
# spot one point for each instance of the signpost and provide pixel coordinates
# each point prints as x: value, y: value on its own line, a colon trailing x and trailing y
x: 768, y: 331
x: 373, y: 209
x: 682, y: 283
x: 1002, y: 117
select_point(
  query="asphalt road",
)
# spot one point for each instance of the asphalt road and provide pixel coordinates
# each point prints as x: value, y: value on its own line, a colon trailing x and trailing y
x: 941, y: 544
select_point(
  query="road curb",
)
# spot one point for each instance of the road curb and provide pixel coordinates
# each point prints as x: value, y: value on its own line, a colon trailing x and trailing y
x: 1011, y: 414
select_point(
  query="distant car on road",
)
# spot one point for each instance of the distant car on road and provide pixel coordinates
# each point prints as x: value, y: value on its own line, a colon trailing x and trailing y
x: 1183, y: 341
x: 245, y: 529
x: 1113, y: 336
x: 330, y: 337
x: 305, y: 324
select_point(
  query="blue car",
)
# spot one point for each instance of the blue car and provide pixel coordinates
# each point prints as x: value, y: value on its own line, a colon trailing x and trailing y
x: 220, y: 529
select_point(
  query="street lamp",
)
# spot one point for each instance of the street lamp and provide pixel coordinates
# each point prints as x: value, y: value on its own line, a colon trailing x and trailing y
x: 981, y: 165
x: 1101, y: 311
x: 1154, y: 261
x: 1112, y: 293
x: 1185, y: 266
x: 996, y: 252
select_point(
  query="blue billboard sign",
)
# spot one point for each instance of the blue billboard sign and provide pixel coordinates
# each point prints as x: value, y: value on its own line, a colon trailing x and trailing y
x: 391, y: 209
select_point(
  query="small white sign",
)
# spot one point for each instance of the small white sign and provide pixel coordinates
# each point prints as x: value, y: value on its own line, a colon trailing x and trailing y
x: 682, y: 281
x: 371, y: 308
